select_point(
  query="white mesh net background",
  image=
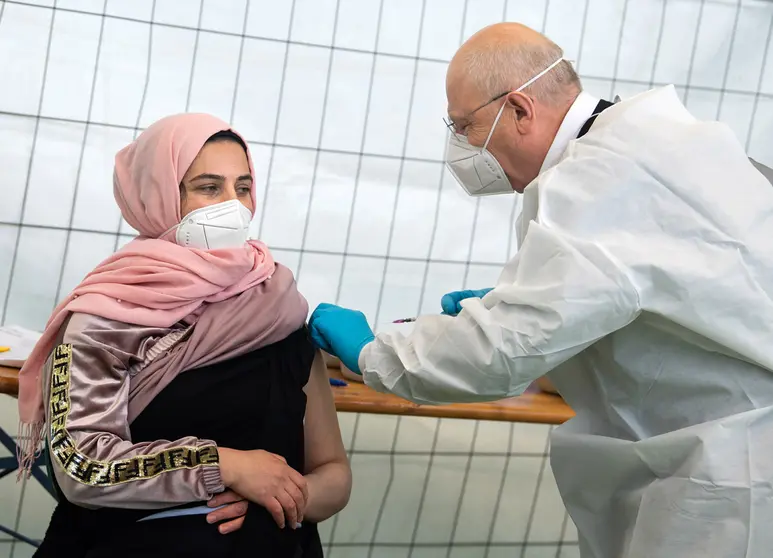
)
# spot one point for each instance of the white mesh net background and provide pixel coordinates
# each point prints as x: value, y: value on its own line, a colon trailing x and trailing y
x: 342, y: 102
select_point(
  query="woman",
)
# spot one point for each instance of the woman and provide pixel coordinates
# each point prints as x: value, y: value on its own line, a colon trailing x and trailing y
x: 179, y: 374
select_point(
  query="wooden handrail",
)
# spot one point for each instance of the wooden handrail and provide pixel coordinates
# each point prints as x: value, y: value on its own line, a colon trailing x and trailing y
x: 533, y: 406
x: 9, y: 381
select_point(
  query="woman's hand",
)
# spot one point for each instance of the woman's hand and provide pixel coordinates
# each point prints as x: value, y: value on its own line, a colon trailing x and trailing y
x: 234, y: 508
x: 266, y: 479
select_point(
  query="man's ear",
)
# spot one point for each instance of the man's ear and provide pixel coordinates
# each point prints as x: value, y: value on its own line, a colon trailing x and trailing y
x: 523, y: 111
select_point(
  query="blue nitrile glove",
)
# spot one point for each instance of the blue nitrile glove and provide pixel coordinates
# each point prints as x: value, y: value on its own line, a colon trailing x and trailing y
x: 341, y: 332
x: 451, y: 302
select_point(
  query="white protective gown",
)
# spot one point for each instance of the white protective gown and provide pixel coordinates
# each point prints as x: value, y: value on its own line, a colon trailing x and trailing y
x: 644, y: 290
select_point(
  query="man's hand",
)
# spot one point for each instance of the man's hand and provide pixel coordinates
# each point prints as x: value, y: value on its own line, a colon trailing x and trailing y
x: 234, y: 508
x: 340, y: 332
x: 451, y: 302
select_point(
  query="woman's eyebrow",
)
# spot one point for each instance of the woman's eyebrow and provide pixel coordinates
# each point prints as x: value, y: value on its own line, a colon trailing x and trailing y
x: 208, y: 176
x: 221, y: 178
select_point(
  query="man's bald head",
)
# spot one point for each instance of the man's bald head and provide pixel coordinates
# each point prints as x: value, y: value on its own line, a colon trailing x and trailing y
x: 504, y: 56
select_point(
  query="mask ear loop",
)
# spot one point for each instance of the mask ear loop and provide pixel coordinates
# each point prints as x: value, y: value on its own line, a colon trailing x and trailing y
x: 168, y: 231
x: 494, y: 125
x: 542, y: 73
x: 527, y: 84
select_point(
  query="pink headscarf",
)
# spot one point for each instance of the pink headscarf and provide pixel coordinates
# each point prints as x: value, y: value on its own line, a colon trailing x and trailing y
x: 153, y: 282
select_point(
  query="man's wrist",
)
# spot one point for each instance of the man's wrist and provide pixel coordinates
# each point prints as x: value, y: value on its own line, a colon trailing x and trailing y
x: 361, y: 363
x: 357, y: 363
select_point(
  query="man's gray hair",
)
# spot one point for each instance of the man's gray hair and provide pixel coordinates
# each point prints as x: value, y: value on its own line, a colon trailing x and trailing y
x: 505, y: 66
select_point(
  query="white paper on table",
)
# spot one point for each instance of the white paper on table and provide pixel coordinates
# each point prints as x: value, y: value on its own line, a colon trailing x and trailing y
x: 21, y: 341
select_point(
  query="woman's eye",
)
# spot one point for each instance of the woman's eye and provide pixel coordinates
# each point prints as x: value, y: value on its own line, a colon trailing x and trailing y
x: 243, y: 190
x: 209, y: 188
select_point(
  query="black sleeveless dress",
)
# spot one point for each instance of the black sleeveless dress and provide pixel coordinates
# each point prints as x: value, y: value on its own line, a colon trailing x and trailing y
x: 255, y: 401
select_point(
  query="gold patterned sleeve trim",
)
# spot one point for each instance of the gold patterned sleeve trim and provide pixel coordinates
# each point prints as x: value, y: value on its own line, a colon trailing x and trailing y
x: 92, y: 472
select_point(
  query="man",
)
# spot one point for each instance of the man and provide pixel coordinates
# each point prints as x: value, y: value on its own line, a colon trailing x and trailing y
x: 643, y: 288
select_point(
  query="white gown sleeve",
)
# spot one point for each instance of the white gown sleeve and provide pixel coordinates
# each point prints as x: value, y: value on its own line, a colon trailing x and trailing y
x: 555, y: 298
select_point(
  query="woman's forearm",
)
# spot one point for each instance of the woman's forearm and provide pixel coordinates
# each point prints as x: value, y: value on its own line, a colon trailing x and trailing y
x: 329, y: 488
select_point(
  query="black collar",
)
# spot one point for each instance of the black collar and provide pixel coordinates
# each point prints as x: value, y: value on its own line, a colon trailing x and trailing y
x: 601, y: 106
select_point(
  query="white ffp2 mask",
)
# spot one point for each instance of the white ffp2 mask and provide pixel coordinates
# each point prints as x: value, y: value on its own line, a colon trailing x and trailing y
x: 476, y: 170
x: 222, y: 225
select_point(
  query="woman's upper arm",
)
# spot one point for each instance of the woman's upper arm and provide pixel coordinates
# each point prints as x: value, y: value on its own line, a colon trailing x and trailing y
x: 94, y: 459
x: 322, y: 434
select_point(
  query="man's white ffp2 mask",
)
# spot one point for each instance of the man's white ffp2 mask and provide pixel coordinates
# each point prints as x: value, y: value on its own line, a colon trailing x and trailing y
x: 222, y: 225
x: 475, y: 168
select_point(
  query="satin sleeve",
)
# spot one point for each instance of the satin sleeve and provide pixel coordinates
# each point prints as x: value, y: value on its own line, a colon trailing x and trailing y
x: 94, y: 460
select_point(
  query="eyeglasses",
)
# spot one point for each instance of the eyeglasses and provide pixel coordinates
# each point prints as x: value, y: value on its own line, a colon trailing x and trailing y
x: 451, y: 125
